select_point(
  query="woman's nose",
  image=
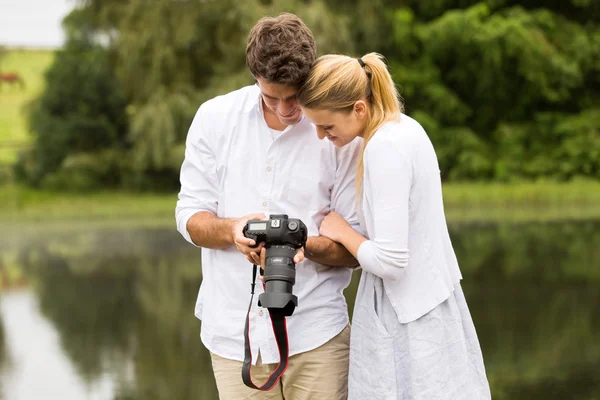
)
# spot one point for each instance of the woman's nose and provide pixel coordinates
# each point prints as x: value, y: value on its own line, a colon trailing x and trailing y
x: 321, y: 132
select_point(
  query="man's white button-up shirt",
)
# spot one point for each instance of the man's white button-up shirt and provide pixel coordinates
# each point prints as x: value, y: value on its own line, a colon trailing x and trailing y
x: 233, y: 167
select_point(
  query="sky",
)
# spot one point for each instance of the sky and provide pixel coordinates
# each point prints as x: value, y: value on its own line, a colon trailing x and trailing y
x: 33, y: 23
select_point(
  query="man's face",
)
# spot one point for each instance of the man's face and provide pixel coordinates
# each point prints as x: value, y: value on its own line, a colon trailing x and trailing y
x: 280, y: 100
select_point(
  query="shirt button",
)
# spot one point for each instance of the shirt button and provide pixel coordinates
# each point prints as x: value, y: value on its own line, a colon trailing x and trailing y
x: 260, y: 313
x: 264, y: 203
x: 269, y: 169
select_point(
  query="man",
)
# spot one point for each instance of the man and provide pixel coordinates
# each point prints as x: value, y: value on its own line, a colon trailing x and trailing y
x: 251, y: 153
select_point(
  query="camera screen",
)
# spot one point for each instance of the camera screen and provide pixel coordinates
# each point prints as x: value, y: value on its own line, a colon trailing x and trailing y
x: 257, y: 226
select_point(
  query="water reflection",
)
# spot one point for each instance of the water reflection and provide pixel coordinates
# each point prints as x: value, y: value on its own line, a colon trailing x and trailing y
x: 38, y: 368
x: 108, y: 313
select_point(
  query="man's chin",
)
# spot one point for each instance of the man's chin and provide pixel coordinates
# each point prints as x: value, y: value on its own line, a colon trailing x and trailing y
x: 293, y: 120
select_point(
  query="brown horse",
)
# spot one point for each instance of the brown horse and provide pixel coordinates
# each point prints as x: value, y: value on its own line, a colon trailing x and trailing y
x: 12, y: 78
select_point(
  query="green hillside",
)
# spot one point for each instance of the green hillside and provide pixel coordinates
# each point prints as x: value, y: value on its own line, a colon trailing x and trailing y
x: 30, y: 65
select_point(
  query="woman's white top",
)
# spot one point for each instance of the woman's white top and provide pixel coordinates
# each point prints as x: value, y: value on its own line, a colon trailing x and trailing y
x: 403, y: 214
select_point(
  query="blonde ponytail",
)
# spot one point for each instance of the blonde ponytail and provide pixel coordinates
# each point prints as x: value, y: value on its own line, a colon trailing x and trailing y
x: 337, y: 82
x: 385, y: 104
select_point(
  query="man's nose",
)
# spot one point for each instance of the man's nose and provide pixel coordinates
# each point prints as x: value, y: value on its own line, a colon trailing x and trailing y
x: 287, y: 106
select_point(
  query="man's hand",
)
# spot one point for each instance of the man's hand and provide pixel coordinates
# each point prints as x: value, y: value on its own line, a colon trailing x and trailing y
x: 244, y: 245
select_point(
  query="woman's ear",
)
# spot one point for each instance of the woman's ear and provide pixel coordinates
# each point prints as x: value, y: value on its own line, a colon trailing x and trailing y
x: 360, y: 109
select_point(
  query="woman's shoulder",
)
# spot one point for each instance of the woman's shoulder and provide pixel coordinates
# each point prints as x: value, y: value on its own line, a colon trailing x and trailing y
x: 402, y: 134
x: 403, y: 129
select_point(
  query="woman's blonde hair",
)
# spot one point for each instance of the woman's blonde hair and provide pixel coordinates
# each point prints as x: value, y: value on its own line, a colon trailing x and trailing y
x: 336, y: 82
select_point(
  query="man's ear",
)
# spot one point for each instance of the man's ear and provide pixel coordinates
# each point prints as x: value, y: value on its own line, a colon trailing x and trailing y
x: 360, y: 109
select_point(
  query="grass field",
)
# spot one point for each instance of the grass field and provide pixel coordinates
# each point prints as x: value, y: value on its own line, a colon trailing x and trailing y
x: 463, y: 202
x: 30, y: 64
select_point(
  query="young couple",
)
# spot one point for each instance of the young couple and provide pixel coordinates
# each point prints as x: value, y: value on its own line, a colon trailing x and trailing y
x: 370, y: 196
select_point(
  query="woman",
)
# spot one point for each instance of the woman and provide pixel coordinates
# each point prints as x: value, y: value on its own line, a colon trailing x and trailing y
x: 412, y: 333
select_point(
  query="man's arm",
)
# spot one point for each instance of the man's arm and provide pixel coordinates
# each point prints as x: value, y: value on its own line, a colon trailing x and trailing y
x: 325, y: 251
x: 211, y: 232
x: 197, y: 206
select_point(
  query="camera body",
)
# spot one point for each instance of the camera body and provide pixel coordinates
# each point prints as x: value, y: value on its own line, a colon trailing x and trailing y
x: 282, y: 236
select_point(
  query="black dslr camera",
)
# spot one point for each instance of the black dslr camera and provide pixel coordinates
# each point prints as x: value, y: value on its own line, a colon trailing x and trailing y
x: 282, y: 236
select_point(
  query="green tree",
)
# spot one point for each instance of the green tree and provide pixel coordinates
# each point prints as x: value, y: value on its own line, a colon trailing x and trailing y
x: 506, y: 90
x: 483, y: 80
x: 172, y: 56
x: 79, y: 121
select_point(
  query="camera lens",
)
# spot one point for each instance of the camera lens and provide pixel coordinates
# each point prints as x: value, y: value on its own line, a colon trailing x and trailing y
x: 279, y: 278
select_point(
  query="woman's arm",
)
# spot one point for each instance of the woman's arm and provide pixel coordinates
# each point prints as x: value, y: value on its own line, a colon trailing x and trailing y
x: 335, y: 227
x: 387, y: 182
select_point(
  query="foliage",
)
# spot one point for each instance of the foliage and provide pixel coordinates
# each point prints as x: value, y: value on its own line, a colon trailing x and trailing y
x: 505, y: 94
x: 82, y: 110
x: 506, y: 90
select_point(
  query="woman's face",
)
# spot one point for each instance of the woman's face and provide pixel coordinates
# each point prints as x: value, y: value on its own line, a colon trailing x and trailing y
x: 339, y: 127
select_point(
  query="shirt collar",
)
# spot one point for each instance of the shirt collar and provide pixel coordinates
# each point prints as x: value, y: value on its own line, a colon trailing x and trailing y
x: 254, y: 100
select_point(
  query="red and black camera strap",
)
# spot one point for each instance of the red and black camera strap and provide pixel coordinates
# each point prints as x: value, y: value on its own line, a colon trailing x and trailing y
x: 280, y: 330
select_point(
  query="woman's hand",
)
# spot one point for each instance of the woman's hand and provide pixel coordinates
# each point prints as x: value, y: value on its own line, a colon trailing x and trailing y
x: 334, y: 226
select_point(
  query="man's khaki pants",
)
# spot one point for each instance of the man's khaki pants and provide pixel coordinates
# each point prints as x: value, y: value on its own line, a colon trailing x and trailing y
x: 319, y: 374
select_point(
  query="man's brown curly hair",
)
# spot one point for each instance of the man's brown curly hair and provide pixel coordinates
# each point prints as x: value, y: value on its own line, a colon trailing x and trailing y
x: 281, y: 50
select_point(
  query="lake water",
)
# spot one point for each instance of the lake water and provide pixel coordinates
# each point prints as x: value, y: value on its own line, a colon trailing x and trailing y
x: 107, y: 312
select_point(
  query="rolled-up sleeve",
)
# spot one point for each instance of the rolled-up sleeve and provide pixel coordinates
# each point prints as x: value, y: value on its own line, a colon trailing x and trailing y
x: 198, y: 177
x: 388, y: 179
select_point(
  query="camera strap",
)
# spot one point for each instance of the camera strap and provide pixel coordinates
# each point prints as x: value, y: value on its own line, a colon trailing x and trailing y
x: 280, y: 330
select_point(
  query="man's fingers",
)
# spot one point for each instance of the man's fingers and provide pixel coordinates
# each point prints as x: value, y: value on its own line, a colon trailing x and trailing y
x: 299, y: 255
x: 246, y: 250
x: 243, y: 240
x: 263, y: 257
x: 259, y: 216
x: 255, y: 249
x: 255, y: 258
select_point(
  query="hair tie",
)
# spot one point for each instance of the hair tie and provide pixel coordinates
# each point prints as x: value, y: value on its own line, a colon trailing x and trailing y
x: 361, y: 62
